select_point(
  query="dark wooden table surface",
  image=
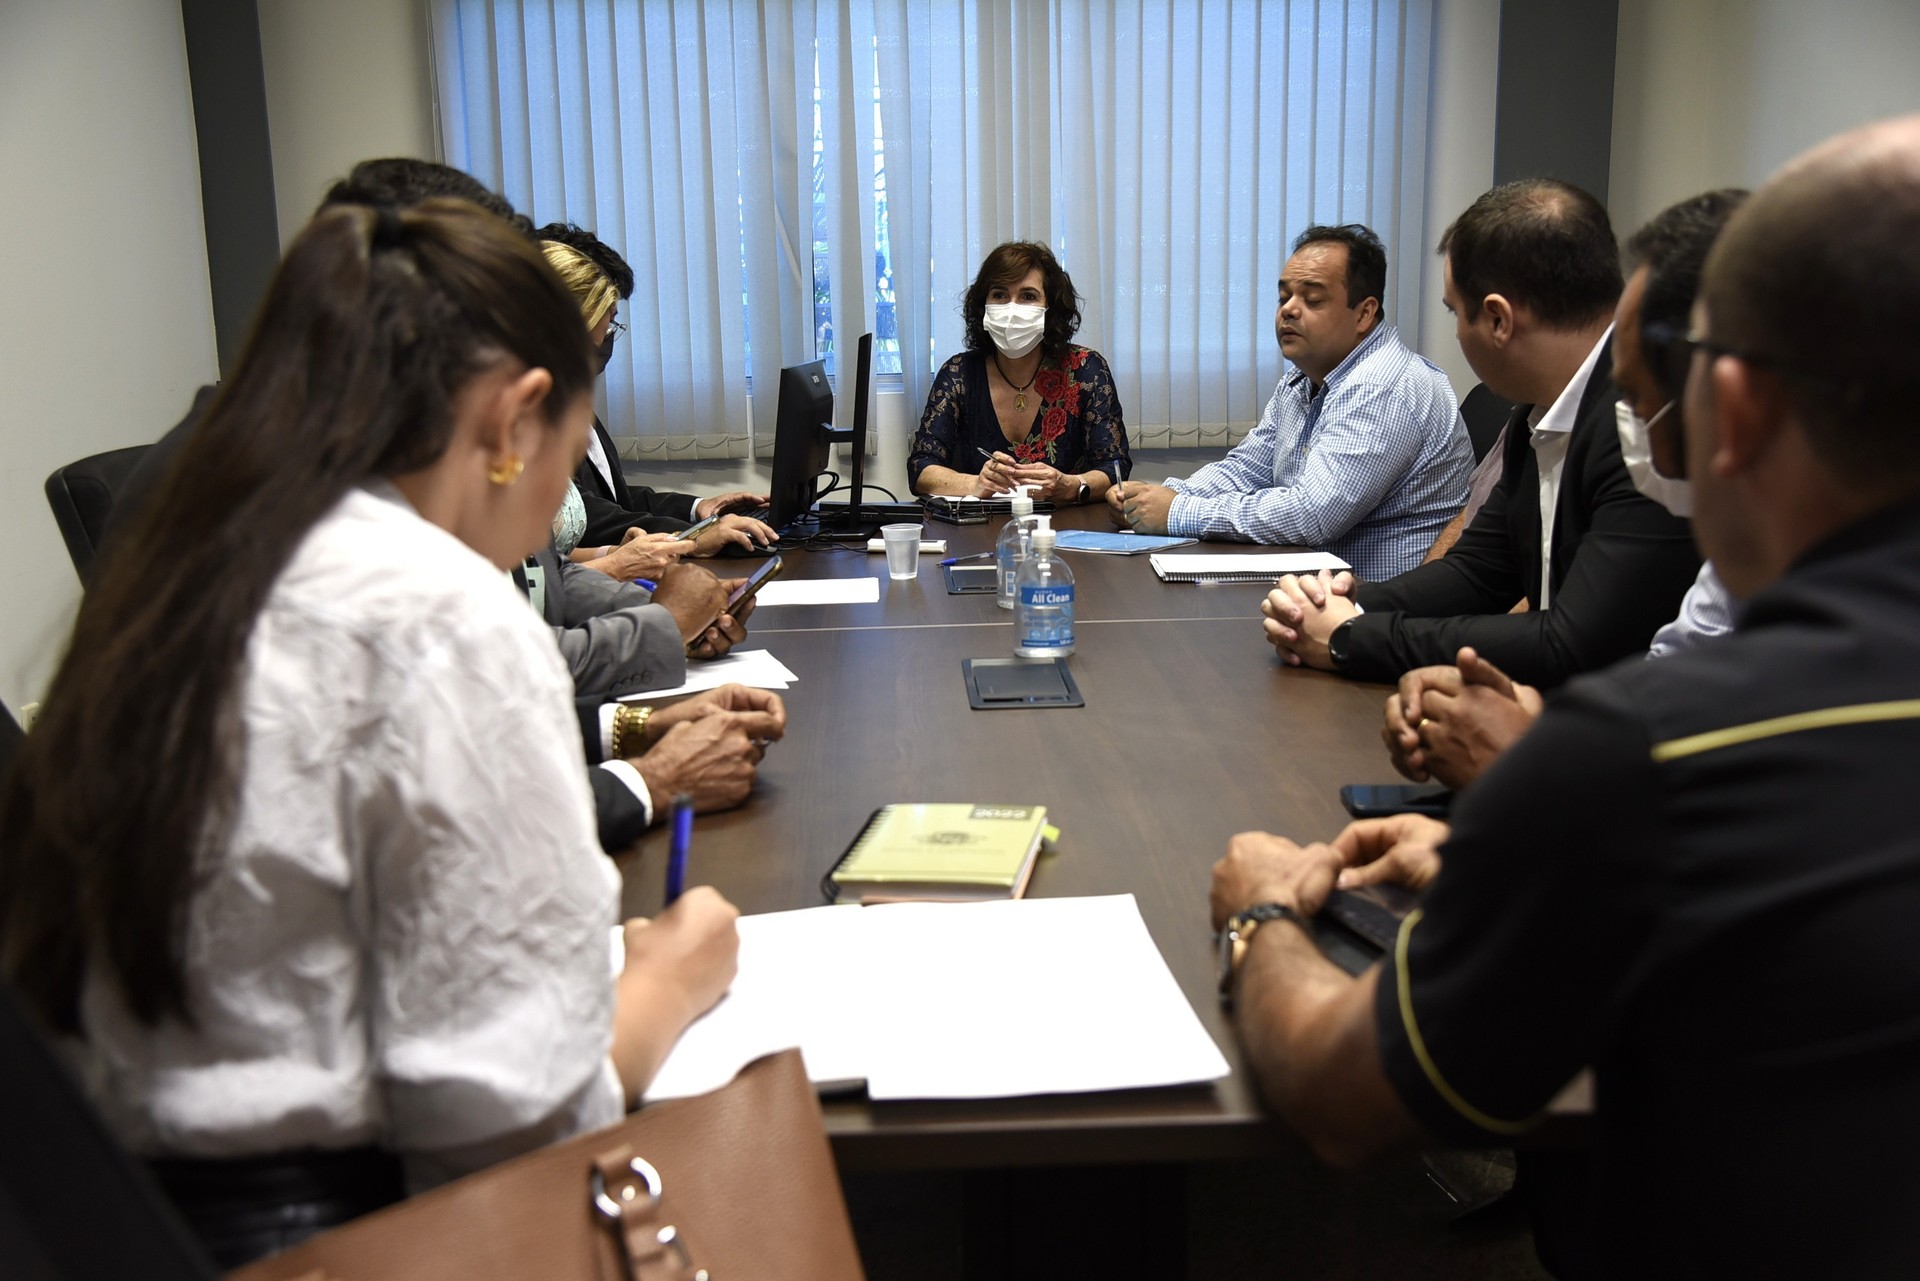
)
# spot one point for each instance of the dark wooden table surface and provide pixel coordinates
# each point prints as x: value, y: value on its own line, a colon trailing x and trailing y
x: 1191, y: 732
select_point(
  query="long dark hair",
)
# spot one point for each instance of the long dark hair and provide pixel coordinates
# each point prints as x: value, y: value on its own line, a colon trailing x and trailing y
x: 374, y: 322
x: 1007, y: 266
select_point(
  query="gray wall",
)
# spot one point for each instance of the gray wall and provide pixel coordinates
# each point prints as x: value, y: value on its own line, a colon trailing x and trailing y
x: 106, y: 321
x: 1712, y: 93
x: 1555, y: 113
x: 236, y: 162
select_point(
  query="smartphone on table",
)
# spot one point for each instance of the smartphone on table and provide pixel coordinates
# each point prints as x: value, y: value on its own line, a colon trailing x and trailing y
x: 1383, y: 800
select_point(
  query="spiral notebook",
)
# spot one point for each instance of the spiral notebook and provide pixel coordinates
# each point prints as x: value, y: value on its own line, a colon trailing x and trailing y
x: 946, y: 853
x: 1205, y: 568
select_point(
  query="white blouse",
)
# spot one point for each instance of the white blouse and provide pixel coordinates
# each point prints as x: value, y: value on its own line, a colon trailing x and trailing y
x: 405, y: 939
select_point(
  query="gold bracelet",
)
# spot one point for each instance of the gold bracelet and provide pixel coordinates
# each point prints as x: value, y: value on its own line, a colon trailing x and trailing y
x: 630, y: 730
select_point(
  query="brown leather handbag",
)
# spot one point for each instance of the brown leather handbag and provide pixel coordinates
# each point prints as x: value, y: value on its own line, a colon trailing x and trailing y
x: 731, y: 1186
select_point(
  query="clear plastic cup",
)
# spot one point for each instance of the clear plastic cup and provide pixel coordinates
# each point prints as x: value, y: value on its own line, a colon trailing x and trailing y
x: 903, y: 550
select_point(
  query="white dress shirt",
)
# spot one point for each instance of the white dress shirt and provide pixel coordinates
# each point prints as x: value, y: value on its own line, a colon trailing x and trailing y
x: 1552, y: 432
x: 597, y: 455
x: 403, y: 941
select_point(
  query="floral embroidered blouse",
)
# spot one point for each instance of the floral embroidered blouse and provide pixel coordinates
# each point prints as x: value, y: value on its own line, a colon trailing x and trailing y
x: 1079, y: 426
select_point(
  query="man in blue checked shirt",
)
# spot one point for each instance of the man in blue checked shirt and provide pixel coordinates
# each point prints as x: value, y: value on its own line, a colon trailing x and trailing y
x: 1361, y: 451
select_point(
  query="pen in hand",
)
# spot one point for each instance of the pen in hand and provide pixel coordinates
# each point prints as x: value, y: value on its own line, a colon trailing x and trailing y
x: 677, y: 852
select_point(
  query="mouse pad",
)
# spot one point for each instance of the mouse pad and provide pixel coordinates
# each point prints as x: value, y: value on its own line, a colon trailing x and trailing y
x: 1020, y: 682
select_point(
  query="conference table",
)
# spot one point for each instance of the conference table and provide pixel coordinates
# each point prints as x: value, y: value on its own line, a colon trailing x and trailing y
x: 1192, y: 731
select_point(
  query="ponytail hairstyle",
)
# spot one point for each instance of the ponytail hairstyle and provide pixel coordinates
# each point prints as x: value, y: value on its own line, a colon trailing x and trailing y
x: 375, y: 321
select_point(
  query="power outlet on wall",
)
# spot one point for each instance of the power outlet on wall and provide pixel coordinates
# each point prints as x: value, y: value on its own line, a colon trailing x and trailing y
x: 29, y: 713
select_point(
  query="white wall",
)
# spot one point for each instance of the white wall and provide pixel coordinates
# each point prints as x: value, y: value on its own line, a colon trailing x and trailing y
x: 1466, y: 53
x: 1711, y: 93
x: 106, y: 323
x: 347, y: 80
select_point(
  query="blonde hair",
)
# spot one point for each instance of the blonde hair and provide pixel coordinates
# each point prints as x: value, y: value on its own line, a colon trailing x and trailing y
x: 591, y: 288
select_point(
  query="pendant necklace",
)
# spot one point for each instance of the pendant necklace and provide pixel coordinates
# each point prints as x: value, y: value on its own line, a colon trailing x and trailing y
x: 1020, y: 392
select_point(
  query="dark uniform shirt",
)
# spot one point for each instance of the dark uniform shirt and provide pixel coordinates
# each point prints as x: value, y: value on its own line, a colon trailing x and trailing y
x: 1701, y: 876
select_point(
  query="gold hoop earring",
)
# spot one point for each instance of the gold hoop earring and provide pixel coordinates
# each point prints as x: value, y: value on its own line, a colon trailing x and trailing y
x: 508, y: 472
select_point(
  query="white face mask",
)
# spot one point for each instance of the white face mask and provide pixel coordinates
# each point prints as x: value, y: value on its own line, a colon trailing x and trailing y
x: 1015, y: 327
x: 1636, y: 450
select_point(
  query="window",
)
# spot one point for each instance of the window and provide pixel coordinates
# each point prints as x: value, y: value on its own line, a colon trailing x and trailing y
x: 846, y: 166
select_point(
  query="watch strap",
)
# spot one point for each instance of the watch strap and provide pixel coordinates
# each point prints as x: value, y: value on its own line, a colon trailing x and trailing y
x: 1340, y: 643
x: 630, y: 730
x: 1239, y: 931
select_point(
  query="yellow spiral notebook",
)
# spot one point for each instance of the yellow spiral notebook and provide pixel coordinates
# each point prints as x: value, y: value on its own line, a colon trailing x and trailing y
x: 948, y: 852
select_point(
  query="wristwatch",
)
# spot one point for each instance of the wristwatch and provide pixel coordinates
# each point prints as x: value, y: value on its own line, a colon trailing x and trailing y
x: 1340, y: 644
x: 1086, y: 491
x: 630, y: 730
x: 1238, y: 932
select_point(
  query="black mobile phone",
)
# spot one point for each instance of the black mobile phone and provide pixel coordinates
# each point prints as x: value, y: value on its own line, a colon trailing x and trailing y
x: 1383, y: 800
x: 745, y: 591
x: 755, y: 581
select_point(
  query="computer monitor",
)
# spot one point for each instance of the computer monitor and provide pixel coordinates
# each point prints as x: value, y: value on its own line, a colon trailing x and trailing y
x: 801, y: 442
x: 849, y: 519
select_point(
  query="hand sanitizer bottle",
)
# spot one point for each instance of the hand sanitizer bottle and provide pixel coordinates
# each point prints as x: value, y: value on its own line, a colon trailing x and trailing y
x: 1043, y: 620
x: 1016, y: 540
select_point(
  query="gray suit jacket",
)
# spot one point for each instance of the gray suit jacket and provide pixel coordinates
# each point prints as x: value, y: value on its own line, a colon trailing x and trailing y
x: 615, y: 639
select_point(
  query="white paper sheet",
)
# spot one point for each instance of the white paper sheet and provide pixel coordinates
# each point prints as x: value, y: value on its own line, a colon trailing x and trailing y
x: 752, y: 667
x: 819, y: 591
x: 953, y: 1001
x: 1275, y: 563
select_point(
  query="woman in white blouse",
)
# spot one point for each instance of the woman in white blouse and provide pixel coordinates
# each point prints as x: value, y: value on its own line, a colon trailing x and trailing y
x: 301, y: 849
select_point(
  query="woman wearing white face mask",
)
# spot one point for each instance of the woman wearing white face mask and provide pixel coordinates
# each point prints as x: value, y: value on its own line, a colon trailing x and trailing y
x: 1022, y: 405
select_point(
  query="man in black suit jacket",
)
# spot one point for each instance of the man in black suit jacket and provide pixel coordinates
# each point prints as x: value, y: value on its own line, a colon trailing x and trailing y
x: 613, y: 505
x: 1532, y: 274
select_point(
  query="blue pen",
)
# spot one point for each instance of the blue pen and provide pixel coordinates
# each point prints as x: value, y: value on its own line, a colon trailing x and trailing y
x: 647, y: 583
x: 956, y: 560
x: 682, y: 842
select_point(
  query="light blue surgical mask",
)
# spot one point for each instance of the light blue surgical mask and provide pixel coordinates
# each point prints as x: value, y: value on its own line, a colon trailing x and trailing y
x: 1636, y: 450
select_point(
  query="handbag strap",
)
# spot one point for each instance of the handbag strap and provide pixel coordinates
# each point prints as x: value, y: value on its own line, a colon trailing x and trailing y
x: 629, y: 1195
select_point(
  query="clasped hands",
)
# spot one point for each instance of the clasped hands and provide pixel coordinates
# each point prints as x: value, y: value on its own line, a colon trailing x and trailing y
x: 1302, y: 612
x: 1450, y: 723
x: 1263, y: 868
x: 708, y: 746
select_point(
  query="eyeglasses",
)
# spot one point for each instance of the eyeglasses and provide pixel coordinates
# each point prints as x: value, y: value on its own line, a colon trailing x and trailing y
x: 1684, y: 343
x: 614, y: 330
x: 1680, y: 345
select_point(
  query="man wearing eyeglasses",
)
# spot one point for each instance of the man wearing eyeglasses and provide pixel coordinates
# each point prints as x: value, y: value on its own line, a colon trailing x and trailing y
x: 1532, y: 275
x: 1697, y: 876
x: 613, y: 504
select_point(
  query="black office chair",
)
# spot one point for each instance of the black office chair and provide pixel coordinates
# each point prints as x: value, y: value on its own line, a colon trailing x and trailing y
x: 73, y: 1203
x: 1486, y: 414
x: 10, y: 739
x: 82, y: 495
